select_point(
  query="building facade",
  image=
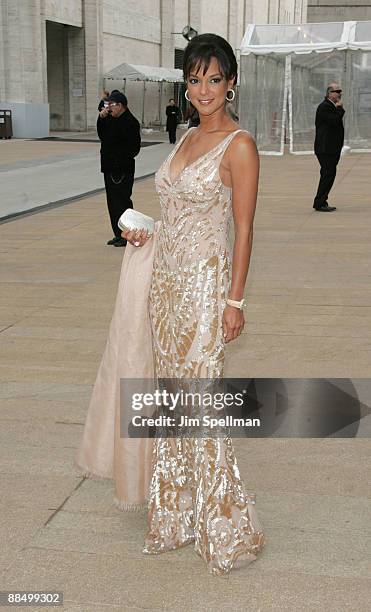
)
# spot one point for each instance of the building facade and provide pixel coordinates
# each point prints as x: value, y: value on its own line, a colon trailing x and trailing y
x: 339, y: 10
x: 54, y: 53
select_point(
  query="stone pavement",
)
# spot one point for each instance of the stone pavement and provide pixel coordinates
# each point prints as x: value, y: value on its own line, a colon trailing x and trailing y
x: 34, y: 173
x: 308, y: 315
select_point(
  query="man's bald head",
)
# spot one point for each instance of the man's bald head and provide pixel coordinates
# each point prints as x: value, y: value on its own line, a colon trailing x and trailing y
x: 333, y: 92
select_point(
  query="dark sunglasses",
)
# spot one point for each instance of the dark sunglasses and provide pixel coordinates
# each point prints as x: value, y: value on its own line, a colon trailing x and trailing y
x: 336, y: 91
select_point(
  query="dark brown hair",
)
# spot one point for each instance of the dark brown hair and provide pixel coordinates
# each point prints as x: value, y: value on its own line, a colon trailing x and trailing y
x: 202, y: 48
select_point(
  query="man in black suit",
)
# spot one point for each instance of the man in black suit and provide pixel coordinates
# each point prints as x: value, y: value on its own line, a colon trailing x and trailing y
x: 328, y: 143
x: 119, y: 133
x: 173, y: 116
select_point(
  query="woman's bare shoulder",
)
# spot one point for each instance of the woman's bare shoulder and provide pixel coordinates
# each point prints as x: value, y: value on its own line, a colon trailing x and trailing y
x: 243, y: 144
x: 243, y: 137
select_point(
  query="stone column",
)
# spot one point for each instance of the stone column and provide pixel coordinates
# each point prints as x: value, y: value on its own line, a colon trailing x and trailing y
x: 167, y: 38
x: 233, y: 31
x: 93, y: 28
x: 22, y: 61
x: 195, y: 14
x: 22, y: 67
x: 3, y: 38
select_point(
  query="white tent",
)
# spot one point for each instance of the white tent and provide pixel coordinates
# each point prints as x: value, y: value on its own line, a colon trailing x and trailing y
x: 285, y: 70
x: 139, y: 72
x: 152, y: 77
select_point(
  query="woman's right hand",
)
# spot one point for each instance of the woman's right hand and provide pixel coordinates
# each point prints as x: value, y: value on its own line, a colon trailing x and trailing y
x: 136, y: 237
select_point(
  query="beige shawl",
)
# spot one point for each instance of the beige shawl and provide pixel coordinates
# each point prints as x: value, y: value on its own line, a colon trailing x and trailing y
x: 128, y: 354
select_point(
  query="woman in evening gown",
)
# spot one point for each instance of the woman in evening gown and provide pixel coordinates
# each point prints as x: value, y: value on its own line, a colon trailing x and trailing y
x: 178, y: 304
x: 210, y: 178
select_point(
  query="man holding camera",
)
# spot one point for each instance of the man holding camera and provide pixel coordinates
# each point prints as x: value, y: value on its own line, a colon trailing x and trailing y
x: 328, y: 143
x: 119, y: 133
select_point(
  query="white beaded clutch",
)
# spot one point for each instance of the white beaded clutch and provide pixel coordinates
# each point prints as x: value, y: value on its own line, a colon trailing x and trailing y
x: 135, y: 220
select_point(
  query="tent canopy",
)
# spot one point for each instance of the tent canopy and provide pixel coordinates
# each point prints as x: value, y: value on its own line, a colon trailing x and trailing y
x: 139, y: 72
x: 285, y: 70
x: 306, y: 37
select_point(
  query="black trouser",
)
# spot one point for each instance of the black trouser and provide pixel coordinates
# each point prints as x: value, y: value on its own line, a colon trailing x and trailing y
x: 118, y: 196
x: 328, y: 165
x: 172, y: 134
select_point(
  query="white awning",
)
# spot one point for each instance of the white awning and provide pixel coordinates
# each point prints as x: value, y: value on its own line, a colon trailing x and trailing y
x: 362, y: 35
x: 139, y: 72
x: 306, y: 37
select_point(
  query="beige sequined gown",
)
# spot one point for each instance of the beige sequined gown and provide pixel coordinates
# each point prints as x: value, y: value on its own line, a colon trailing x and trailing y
x: 196, y: 493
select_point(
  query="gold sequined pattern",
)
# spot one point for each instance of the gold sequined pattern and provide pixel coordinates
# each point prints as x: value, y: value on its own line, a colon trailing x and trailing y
x: 196, y: 493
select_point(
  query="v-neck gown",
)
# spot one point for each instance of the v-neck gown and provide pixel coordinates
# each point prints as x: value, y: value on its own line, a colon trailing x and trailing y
x: 196, y: 492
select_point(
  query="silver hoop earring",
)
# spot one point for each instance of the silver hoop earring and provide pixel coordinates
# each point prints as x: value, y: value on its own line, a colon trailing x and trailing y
x: 186, y: 95
x: 233, y: 96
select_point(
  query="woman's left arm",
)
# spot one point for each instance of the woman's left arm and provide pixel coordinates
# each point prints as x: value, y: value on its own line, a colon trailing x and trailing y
x: 244, y: 171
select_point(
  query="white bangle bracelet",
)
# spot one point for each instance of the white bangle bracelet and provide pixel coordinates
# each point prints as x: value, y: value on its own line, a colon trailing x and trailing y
x: 236, y: 303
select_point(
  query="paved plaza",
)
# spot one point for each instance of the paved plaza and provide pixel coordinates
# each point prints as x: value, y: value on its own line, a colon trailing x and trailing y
x: 36, y: 173
x: 308, y: 316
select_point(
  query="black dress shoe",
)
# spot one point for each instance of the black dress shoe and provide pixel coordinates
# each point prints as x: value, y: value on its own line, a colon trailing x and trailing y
x: 325, y: 208
x: 121, y: 242
x: 114, y: 240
